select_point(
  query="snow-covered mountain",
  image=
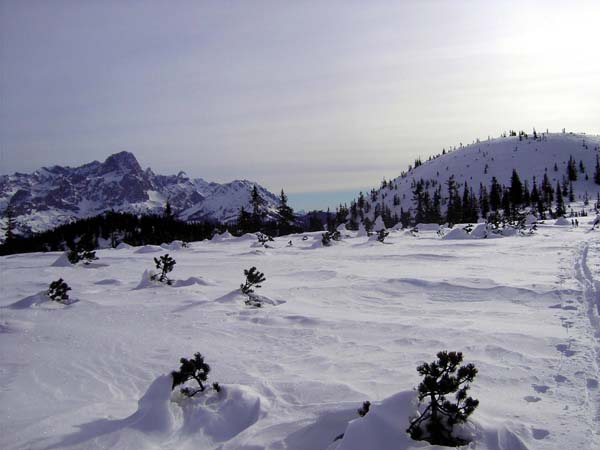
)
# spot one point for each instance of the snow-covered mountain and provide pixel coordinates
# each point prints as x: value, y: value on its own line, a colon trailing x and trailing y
x: 478, y: 162
x: 55, y: 195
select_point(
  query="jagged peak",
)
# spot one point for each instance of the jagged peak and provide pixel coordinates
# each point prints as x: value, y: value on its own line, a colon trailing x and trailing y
x: 123, y: 161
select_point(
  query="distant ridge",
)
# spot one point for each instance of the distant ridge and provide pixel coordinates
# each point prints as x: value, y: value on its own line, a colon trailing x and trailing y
x: 55, y: 195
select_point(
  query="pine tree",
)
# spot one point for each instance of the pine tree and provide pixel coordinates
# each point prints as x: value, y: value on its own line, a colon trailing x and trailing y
x: 57, y: 291
x: 244, y: 221
x: 192, y: 369
x: 572, y: 169
x: 165, y: 264
x: 441, y: 378
x: 516, y: 189
x: 258, y: 212
x: 560, y: 204
x: 286, y: 214
x: 253, y: 278
x: 597, y: 171
x: 9, y: 234
x: 495, y: 195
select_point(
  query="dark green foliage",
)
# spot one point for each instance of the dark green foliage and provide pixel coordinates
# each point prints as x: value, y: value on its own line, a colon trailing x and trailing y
x: 9, y: 234
x: 253, y: 278
x: 117, y: 227
x: 572, y: 169
x: 286, y: 215
x: 364, y: 409
x: 263, y: 239
x: 382, y: 234
x: 82, y: 251
x: 165, y: 264
x: 58, y: 291
x: 192, y: 369
x: 327, y: 237
x: 597, y: 171
x: 441, y: 378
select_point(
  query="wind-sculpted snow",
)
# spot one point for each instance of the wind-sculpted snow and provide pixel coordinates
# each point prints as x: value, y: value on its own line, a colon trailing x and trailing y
x: 338, y: 325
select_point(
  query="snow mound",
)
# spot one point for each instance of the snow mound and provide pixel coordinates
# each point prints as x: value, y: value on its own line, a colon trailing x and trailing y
x: 456, y: 234
x: 221, y: 237
x: 146, y: 281
x: 149, y: 249
x: 38, y: 300
x: 384, y: 428
x: 190, y: 282
x: 62, y: 261
x: 123, y: 246
x: 480, y: 231
x: 562, y: 221
x: 427, y: 227
x: 175, y: 245
x: 530, y: 219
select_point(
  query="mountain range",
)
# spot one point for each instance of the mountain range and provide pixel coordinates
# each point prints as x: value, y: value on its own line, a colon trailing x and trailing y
x: 55, y: 195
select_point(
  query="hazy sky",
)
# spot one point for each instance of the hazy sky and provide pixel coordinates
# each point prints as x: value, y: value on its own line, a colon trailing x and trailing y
x: 305, y: 95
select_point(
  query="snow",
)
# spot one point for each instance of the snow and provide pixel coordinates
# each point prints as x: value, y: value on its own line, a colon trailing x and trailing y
x: 339, y: 325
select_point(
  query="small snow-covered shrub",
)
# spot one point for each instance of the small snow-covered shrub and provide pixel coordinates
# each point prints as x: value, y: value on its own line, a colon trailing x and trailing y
x: 165, y: 264
x: 440, y: 378
x: 82, y: 251
x: 263, y: 239
x: 364, y: 409
x: 58, y: 291
x: 192, y: 369
x: 382, y: 234
x: 253, y: 278
x: 327, y: 237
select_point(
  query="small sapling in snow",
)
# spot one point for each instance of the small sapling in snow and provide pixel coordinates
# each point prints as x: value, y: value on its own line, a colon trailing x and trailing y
x: 327, y: 237
x: 263, y: 239
x: 82, y: 251
x: 58, y: 291
x: 165, y: 264
x: 253, y: 278
x: 192, y: 369
x: 382, y: 234
x: 364, y: 409
x: 441, y: 378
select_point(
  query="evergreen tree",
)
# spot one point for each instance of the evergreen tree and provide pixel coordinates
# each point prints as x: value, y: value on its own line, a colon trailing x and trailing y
x: 441, y: 378
x: 597, y: 171
x: 572, y: 169
x: 571, y: 193
x: 9, y: 234
x: 244, y: 221
x: 165, y: 264
x: 484, y: 201
x: 58, y: 291
x: 314, y: 222
x: 495, y: 195
x: 534, y: 197
x: 454, y: 210
x: 516, y: 189
x: 192, y: 369
x: 286, y: 214
x: 258, y: 212
x: 560, y: 204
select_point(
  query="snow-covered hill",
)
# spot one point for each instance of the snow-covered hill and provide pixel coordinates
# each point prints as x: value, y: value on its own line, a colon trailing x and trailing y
x: 340, y: 325
x: 54, y: 195
x: 478, y: 162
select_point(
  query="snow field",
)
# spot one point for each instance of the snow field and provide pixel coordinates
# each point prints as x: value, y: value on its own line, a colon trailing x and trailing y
x: 341, y: 325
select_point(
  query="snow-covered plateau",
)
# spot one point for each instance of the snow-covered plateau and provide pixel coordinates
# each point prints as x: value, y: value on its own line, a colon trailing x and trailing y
x: 339, y: 325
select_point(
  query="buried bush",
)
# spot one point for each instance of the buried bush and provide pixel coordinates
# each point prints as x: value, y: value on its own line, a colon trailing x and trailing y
x: 165, y: 264
x: 382, y: 234
x: 263, y: 239
x: 253, y: 278
x: 82, y: 251
x: 58, y: 291
x: 327, y: 237
x: 192, y: 369
x: 364, y: 409
x: 441, y: 378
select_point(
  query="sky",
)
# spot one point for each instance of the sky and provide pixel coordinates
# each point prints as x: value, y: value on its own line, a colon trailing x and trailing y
x: 320, y: 98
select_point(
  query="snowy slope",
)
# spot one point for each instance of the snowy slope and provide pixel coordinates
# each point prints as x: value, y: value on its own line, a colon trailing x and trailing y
x: 55, y: 195
x: 353, y: 321
x: 479, y: 162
